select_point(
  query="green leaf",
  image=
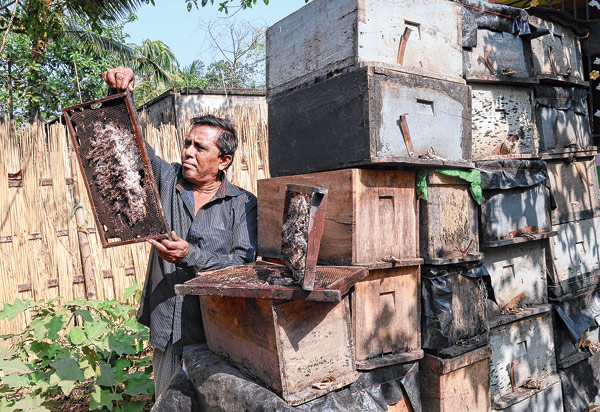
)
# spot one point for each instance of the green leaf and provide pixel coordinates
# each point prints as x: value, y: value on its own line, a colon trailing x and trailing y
x: 67, y: 374
x: 5, y: 405
x: 85, y: 314
x: 5, y: 353
x: 123, y: 344
x: 107, y: 376
x: 121, y: 369
x: 15, y: 366
x: 77, y: 336
x: 133, y: 325
x: 130, y: 291
x: 96, y: 328
x: 15, y: 381
x: 103, y: 398
x: 54, y: 325
x: 30, y: 404
x: 140, y: 386
x: 10, y: 312
x: 129, y: 406
x: 38, y: 329
x: 44, y: 350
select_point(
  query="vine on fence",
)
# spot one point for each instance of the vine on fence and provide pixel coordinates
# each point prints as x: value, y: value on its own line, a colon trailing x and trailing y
x: 105, y: 354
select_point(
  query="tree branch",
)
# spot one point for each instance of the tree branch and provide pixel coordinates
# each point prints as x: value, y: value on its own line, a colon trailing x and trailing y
x: 12, y: 18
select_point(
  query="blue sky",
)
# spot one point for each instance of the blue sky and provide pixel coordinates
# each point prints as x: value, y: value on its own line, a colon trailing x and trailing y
x: 170, y: 22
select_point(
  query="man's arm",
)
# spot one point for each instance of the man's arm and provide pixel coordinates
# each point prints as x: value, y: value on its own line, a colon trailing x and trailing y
x: 194, y: 259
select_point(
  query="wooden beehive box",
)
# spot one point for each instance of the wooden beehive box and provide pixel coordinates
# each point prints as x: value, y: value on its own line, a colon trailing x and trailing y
x: 327, y: 37
x: 573, y: 255
x: 453, y: 316
x: 561, y: 116
x: 370, y: 215
x: 492, y: 53
x: 574, y: 183
x: 457, y: 384
x: 522, y: 353
x: 370, y: 116
x: 575, y: 327
x: 386, y: 317
x: 448, y: 224
x: 516, y: 204
x: 502, y: 120
x: 297, y: 343
x: 518, y: 275
x: 581, y: 384
x: 557, y: 56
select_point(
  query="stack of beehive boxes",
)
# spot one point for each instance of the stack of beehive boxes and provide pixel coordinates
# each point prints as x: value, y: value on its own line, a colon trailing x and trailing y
x: 387, y: 104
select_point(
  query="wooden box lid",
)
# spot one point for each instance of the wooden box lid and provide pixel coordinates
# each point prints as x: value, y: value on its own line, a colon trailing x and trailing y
x: 272, y: 281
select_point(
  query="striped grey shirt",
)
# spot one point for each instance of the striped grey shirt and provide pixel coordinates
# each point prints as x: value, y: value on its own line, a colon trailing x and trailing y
x: 221, y: 234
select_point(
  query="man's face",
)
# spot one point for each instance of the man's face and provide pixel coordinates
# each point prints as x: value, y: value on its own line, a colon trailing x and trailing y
x: 200, y: 156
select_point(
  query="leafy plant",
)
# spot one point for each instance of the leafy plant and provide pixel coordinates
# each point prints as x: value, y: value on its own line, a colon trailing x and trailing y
x: 91, y: 345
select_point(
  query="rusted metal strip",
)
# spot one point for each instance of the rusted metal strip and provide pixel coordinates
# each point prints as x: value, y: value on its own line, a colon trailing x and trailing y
x: 514, y: 301
x: 464, y: 253
x: 487, y: 61
x: 406, y: 135
x: 583, y: 174
x: 52, y: 283
x: 512, y: 374
x: 402, y: 46
x: 24, y: 287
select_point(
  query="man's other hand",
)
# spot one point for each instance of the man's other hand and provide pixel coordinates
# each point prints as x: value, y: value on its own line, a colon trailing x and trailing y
x: 120, y: 78
x: 174, y: 250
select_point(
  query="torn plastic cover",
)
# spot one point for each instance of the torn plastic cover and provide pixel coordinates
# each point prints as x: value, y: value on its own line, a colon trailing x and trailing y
x: 437, y: 290
x: 373, y: 391
x: 513, y: 173
x: 562, y: 98
x: 479, y: 14
x: 580, y: 314
x: 581, y: 384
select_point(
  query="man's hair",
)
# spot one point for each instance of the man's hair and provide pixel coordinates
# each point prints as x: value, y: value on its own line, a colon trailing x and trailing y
x: 227, y: 141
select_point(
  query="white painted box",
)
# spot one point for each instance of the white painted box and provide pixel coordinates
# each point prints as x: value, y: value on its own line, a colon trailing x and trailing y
x: 522, y: 351
x: 518, y: 273
x: 574, y: 252
x: 557, y: 55
x: 326, y: 37
x: 502, y: 119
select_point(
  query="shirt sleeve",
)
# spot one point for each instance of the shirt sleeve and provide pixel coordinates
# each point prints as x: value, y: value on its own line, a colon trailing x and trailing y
x: 243, y: 248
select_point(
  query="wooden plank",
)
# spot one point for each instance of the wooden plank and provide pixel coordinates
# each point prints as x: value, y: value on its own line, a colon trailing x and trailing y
x: 386, y: 313
x: 361, y: 205
x: 448, y: 222
x: 547, y: 399
x: 352, y: 120
x: 389, y: 359
x: 359, y: 32
x: 502, y: 121
x: 520, y: 239
x: 52, y: 283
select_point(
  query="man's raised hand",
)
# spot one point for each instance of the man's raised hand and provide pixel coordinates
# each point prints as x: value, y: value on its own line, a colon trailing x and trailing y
x: 120, y: 78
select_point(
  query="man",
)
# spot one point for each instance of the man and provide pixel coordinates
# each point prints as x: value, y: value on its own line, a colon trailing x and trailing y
x: 213, y: 226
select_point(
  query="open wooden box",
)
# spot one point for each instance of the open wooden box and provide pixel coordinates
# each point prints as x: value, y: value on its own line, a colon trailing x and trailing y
x: 116, y: 170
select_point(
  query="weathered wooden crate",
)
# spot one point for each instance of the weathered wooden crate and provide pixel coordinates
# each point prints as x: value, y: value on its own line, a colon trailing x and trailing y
x: 581, y: 384
x: 386, y: 317
x: 561, y: 116
x: 522, y: 354
x: 502, y: 121
x: 371, y: 214
x: 453, y: 316
x: 548, y: 398
x: 448, y: 223
x: 576, y: 331
x: 574, y: 183
x: 327, y: 37
x: 557, y: 56
x: 457, y: 384
x: 573, y: 256
x: 516, y: 204
x: 518, y: 275
x: 370, y: 116
x: 491, y: 51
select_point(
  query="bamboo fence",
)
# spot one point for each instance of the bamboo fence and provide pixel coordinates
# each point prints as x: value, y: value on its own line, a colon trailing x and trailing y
x: 39, y: 249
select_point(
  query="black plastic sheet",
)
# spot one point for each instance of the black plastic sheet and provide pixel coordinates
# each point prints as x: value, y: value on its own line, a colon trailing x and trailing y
x: 437, y: 290
x: 479, y: 14
x: 581, y: 384
x: 221, y: 387
x: 562, y: 98
x: 579, y: 315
